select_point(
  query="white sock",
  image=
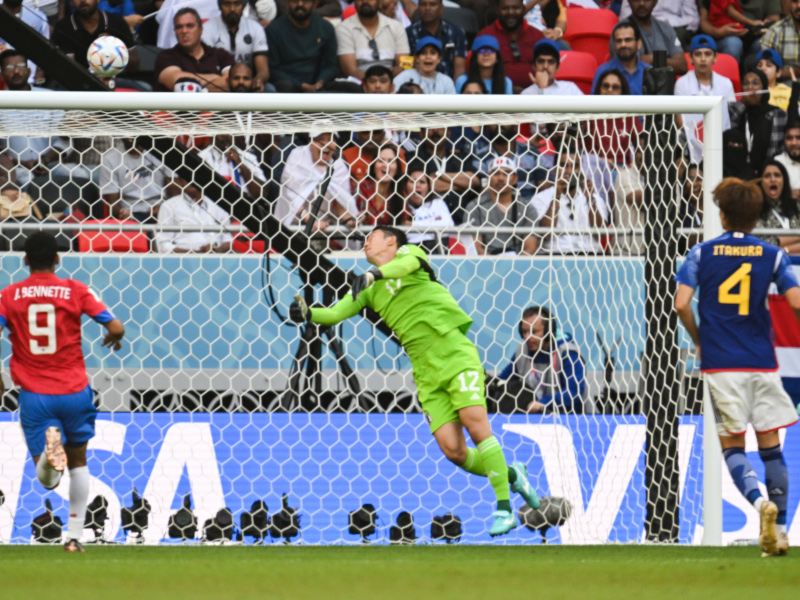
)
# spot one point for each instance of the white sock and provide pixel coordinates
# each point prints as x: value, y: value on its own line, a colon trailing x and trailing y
x: 78, y: 498
x: 46, y: 474
x: 759, y: 501
x: 780, y: 528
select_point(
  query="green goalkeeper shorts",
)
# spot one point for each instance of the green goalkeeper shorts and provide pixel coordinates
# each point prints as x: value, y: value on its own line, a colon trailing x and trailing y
x: 449, y: 377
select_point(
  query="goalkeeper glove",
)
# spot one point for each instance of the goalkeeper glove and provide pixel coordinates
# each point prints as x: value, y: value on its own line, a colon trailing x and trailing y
x: 298, y: 310
x: 362, y: 282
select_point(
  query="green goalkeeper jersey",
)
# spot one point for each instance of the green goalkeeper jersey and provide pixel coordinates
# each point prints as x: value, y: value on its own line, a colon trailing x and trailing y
x: 408, y: 298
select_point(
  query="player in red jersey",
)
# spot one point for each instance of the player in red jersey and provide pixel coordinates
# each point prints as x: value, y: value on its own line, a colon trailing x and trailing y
x: 43, y: 316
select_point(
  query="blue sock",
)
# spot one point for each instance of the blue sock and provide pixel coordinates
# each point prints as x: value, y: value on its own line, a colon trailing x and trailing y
x: 742, y: 473
x: 777, y: 479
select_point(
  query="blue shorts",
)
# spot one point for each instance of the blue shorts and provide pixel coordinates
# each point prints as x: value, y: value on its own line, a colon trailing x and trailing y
x: 74, y: 414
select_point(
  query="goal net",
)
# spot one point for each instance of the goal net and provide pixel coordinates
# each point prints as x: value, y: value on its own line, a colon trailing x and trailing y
x: 197, y: 219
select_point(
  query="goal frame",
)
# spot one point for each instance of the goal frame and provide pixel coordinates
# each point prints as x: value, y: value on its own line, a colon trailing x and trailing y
x: 710, y: 107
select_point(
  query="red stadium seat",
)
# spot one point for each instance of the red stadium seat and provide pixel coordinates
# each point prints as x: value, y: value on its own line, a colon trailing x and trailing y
x: 579, y: 68
x: 245, y: 242
x: 589, y: 30
x: 349, y: 11
x: 727, y: 66
x: 111, y: 240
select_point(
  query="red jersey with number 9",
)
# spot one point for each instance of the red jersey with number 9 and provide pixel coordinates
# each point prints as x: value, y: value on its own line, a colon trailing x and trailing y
x: 43, y: 315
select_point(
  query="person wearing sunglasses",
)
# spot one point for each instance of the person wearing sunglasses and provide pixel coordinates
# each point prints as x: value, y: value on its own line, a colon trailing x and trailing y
x: 370, y: 38
x: 627, y: 40
x: 516, y: 40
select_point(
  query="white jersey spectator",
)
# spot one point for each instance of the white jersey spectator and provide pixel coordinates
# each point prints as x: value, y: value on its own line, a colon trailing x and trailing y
x: 248, y: 41
x: 304, y: 173
x: 234, y: 164
x: 133, y: 181
x: 427, y: 210
x: 572, y: 212
x: 546, y: 59
x: 628, y: 207
x: 193, y: 211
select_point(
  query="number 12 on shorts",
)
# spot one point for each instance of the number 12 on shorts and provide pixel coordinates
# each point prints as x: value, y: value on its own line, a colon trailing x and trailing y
x: 473, y: 380
x: 741, y: 277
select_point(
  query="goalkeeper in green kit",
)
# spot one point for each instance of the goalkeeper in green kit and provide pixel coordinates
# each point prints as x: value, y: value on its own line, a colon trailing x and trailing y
x: 403, y: 289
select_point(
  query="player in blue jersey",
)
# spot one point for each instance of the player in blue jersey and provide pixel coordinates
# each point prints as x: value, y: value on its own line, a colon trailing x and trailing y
x: 734, y: 273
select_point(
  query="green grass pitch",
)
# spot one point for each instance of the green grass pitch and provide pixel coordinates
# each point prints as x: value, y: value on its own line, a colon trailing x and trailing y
x: 378, y: 572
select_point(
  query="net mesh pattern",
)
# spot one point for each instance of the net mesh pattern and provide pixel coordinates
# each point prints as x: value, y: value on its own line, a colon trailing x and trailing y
x: 198, y: 228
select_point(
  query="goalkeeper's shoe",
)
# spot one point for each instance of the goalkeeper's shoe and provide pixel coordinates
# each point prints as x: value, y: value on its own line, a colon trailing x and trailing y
x: 504, y: 522
x: 54, y: 449
x: 768, y: 536
x: 782, y: 546
x: 73, y: 546
x: 522, y: 486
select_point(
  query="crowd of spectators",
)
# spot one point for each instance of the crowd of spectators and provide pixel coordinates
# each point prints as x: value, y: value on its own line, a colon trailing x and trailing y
x: 586, y: 177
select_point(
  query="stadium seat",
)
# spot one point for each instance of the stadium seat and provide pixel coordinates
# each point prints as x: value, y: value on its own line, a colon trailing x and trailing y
x: 348, y: 11
x: 589, y: 30
x: 726, y: 66
x: 245, y: 242
x: 579, y: 68
x: 113, y: 241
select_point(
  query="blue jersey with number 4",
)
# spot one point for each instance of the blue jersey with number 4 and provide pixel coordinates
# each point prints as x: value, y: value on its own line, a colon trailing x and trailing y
x: 734, y: 273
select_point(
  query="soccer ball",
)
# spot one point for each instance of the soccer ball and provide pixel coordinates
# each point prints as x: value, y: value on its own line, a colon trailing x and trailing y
x: 107, y: 56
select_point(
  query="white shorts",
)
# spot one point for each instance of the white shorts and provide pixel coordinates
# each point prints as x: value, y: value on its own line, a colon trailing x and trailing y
x: 757, y: 397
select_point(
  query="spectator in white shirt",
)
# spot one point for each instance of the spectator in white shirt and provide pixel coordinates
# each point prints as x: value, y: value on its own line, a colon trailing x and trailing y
x: 427, y: 209
x: 546, y: 59
x: 191, y: 208
x: 133, y: 182
x: 427, y: 56
x: 571, y: 204
x: 628, y: 206
x: 244, y: 38
x: 702, y: 81
x: 305, y: 172
x: 234, y: 164
x: 790, y: 157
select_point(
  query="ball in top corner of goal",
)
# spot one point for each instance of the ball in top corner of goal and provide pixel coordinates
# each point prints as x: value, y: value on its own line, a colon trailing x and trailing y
x: 107, y: 56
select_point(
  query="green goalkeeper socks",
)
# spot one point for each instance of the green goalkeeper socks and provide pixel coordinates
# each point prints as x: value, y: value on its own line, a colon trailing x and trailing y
x: 474, y: 465
x: 494, y: 463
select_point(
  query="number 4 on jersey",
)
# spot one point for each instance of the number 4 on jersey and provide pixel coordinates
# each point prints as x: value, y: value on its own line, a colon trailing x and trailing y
x: 742, y: 298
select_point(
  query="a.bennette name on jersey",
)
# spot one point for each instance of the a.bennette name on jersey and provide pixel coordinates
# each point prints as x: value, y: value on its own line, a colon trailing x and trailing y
x: 43, y: 291
x: 725, y: 250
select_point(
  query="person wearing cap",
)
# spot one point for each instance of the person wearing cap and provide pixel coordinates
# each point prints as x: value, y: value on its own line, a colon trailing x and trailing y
x: 486, y: 64
x: 501, y: 206
x: 784, y: 38
x: 546, y: 58
x: 627, y: 41
x: 702, y: 81
x: 427, y: 55
x: 770, y: 63
x: 452, y: 37
x: 502, y: 141
x: 516, y: 39
x: 306, y: 169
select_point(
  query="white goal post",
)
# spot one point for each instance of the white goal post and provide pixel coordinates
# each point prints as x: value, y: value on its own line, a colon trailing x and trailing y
x: 184, y: 357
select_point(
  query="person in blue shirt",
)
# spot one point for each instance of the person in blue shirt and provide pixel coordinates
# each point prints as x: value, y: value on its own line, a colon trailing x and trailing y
x: 487, y: 64
x: 627, y: 40
x: 736, y: 346
x: 550, y: 367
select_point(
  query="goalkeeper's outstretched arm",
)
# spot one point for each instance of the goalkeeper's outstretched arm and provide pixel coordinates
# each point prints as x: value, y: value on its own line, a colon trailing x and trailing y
x: 300, y: 312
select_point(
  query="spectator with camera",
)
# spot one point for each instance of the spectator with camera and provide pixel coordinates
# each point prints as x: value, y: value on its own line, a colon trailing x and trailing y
x: 305, y: 172
x: 191, y: 59
x: 302, y: 49
x: 572, y: 203
x: 242, y: 37
x: 547, y: 372
x: 501, y: 206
